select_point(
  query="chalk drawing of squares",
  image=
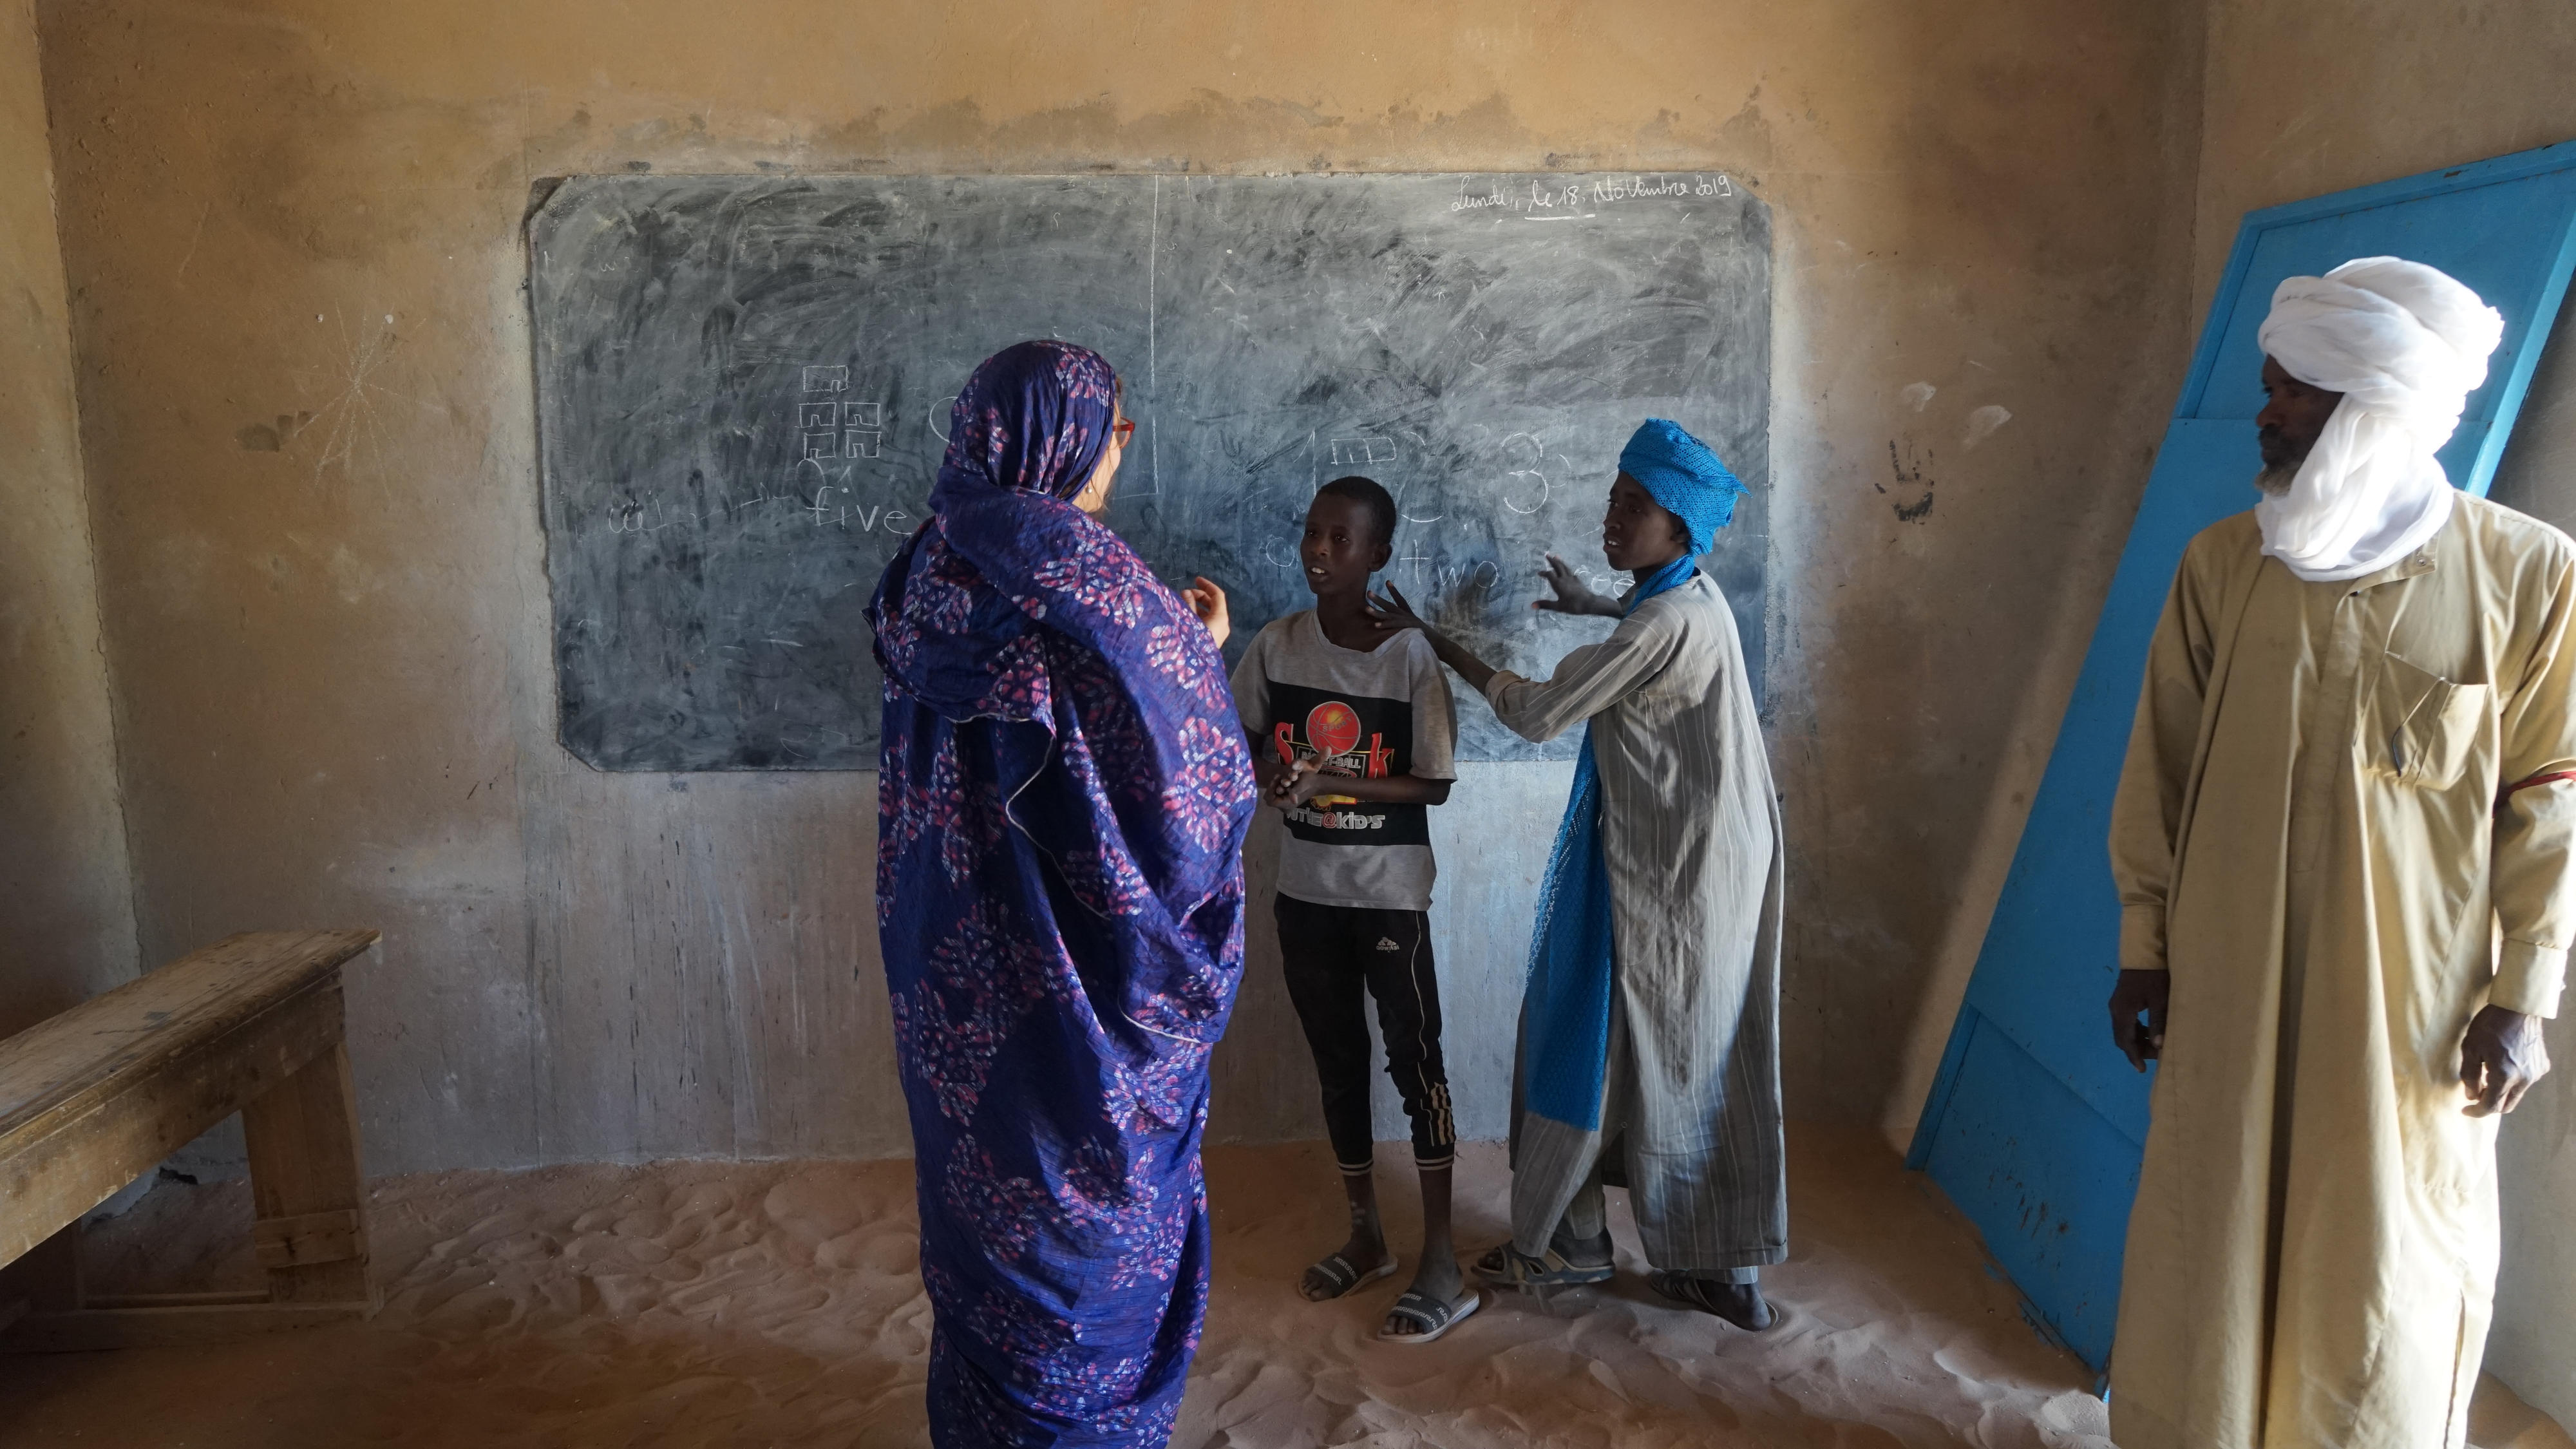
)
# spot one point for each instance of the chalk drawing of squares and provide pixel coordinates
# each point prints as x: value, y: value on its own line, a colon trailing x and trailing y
x: 863, y: 445
x: 1350, y: 451
x: 817, y: 415
x: 863, y: 415
x: 822, y: 445
x: 827, y: 379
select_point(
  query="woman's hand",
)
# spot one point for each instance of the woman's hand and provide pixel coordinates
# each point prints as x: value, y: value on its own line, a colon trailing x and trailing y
x: 1208, y: 602
x: 1572, y: 595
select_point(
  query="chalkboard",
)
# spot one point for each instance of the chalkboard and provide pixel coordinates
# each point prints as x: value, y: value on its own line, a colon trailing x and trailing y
x: 743, y: 387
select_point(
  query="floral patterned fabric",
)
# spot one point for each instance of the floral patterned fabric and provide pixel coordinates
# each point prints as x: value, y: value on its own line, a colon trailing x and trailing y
x: 1060, y: 896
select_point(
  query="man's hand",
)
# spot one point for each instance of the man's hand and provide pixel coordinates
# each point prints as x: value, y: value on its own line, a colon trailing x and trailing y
x: 1392, y: 613
x: 1208, y: 602
x: 2500, y: 1058
x: 2140, y: 994
x: 1572, y: 597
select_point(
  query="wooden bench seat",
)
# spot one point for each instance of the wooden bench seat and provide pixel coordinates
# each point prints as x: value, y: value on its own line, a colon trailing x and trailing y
x: 98, y: 1096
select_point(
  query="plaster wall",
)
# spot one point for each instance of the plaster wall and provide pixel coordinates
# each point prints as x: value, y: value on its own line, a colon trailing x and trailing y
x: 293, y: 233
x: 2303, y: 100
x: 66, y: 905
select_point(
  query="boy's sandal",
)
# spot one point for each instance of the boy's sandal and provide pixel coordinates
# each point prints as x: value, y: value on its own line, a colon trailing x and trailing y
x: 1505, y: 1266
x: 1430, y: 1317
x: 1698, y: 1293
x: 1340, y: 1275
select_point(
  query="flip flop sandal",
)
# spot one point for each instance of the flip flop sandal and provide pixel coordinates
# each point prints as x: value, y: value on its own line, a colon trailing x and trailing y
x: 1505, y: 1266
x: 1341, y: 1276
x: 1691, y: 1292
x: 1433, y: 1316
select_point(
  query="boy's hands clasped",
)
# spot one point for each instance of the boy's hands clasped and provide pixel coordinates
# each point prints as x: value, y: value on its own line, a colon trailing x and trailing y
x: 1285, y: 786
x: 1294, y: 785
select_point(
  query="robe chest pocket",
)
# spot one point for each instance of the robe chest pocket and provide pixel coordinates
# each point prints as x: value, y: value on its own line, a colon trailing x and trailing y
x: 2420, y: 728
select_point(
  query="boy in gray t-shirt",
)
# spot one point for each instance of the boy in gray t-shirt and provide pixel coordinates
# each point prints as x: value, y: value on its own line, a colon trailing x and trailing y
x: 1351, y: 728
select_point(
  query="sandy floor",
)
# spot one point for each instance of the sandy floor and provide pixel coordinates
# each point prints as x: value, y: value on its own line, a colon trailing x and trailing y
x: 776, y: 1304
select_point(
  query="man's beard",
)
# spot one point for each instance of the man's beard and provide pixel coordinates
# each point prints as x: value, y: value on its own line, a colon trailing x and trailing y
x: 2276, y: 478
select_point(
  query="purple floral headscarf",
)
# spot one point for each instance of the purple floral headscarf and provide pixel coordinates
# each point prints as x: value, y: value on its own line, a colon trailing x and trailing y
x: 1035, y: 416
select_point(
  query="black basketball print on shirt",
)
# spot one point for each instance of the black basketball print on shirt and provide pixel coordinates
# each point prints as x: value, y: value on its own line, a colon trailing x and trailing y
x: 1358, y: 736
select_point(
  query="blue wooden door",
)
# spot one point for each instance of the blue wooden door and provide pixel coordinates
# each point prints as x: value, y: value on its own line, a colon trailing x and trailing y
x: 2035, y: 1124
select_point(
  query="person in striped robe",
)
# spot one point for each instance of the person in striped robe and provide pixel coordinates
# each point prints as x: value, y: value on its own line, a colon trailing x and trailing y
x: 1649, y: 1050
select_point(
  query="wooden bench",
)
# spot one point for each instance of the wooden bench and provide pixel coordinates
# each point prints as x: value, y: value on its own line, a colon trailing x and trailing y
x: 99, y: 1095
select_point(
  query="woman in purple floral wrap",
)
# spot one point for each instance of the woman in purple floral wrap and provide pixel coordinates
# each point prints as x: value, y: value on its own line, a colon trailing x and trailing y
x: 1060, y: 894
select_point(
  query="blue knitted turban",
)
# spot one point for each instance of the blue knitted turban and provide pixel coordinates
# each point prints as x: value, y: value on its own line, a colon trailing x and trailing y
x: 1684, y: 476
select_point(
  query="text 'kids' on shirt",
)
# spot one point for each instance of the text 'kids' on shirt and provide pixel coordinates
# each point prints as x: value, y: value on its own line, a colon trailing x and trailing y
x: 1366, y: 713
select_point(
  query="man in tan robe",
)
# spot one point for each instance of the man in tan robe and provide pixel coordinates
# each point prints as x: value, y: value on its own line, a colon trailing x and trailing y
x: 2342, y: 843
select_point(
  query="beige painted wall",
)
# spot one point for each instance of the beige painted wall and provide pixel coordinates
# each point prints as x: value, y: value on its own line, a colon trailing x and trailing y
x: 66, y: 904
x: 2306, y: 99
x: 293, y: 231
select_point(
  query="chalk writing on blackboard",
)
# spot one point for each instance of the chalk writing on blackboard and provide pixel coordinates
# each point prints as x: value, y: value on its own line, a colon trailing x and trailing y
x: 744, y: 386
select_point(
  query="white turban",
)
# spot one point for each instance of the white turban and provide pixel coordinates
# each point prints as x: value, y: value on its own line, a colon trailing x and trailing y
x: 2405, y: 345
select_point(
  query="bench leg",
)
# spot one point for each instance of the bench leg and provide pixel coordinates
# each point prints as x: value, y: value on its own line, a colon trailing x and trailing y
x: 46, y: 1279
x: 307, y: 1187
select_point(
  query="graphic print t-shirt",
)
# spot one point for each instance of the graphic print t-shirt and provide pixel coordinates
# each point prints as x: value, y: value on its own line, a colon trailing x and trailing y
x: 1372, y: 714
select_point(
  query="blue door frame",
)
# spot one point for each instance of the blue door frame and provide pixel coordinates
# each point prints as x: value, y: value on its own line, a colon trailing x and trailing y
x: 2035, y: 1123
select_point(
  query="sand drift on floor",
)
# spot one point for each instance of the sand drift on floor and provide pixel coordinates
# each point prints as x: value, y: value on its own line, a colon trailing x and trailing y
x: 691, y: 1303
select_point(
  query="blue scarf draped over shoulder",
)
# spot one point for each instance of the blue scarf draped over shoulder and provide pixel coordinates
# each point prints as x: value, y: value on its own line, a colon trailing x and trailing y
x: 1566, y: 1004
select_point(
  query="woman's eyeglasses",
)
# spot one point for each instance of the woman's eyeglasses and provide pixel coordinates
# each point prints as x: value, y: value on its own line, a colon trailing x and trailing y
x: 1123, y: 430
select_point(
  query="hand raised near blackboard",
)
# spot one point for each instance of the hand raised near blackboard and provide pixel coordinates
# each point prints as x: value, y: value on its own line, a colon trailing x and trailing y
x: 1572, y: 595
x: 1393, y: 613
x: 1208, y: 602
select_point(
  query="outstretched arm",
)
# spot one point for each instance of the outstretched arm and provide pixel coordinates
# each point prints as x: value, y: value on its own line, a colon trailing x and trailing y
x: 1393, y: 613
x: 1587, y: 680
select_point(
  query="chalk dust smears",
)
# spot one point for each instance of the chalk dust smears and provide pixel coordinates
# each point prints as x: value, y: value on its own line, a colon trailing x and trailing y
x: 696, y: 1303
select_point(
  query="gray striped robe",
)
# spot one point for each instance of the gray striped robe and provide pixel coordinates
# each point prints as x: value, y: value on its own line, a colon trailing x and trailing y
x: 1691, y: 833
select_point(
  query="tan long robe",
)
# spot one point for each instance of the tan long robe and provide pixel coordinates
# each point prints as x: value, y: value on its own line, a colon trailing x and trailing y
x: 2308, y: 834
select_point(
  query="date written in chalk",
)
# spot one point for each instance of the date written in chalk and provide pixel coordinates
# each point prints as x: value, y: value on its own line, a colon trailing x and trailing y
x: 1569, y: 198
